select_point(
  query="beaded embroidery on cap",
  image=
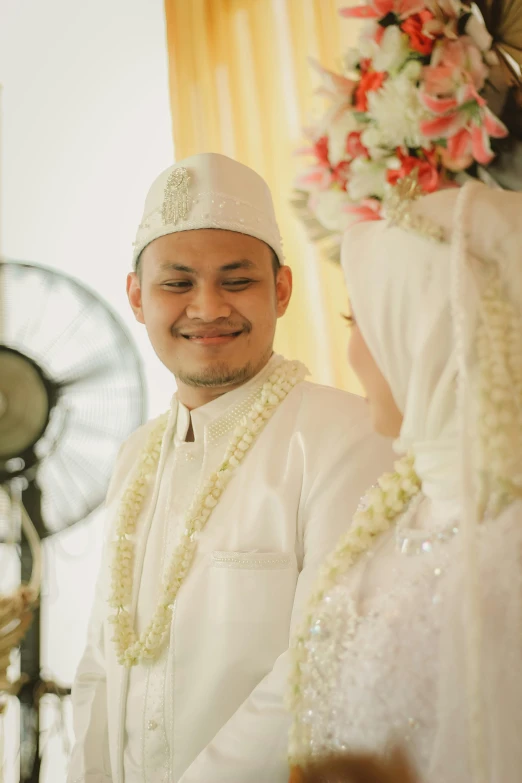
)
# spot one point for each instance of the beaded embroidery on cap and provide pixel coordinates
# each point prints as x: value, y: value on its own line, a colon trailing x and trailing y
x: 176, y: 200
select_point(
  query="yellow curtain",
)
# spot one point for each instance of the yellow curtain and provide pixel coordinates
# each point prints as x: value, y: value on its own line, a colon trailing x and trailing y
x: 241, y: 84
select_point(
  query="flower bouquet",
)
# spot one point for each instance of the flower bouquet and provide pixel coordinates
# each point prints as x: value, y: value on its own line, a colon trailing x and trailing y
x: 409, y: 104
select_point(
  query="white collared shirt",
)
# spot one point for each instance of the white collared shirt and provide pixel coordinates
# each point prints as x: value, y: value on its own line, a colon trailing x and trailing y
x: 211, y: 708
x: 187, y: 463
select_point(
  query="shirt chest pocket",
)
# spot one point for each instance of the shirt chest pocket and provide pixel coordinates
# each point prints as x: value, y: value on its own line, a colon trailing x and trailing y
x: 252, y: 594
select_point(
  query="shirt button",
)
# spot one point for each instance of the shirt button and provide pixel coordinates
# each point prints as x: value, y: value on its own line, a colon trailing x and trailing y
x: 151, y: 725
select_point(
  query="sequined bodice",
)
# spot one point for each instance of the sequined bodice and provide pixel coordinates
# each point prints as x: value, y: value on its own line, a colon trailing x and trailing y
x: 372, y: 664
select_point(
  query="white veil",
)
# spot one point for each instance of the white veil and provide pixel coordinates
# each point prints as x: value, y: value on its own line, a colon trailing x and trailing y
x: 444, y: 323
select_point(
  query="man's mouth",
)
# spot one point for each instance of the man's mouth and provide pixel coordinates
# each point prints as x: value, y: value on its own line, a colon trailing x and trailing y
x: 212, y: 337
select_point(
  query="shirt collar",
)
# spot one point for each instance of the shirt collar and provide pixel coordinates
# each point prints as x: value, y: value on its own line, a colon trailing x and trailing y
x: 222, y: 415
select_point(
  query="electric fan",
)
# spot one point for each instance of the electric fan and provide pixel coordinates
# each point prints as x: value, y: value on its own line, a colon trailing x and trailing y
x: 71, y: 390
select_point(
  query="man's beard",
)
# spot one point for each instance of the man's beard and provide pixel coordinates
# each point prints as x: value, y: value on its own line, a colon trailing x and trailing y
x: 218, y: 376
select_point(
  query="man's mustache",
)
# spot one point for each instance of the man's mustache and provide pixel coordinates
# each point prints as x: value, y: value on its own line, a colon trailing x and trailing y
x: 210, y: 329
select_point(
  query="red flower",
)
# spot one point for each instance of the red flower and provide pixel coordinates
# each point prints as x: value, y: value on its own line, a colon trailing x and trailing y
x: 321, y: 150
x: 341, y: 173
x: 354, y: 146
x: 428, y: 174
x: 370, y: 82
x: 413, y: 26
x: 379, y: 34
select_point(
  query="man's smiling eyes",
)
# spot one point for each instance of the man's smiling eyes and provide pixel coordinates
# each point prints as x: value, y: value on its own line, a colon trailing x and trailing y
x: 235, y: 284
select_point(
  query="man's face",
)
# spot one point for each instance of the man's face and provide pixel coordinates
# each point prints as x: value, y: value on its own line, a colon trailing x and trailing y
x: 210, y: 302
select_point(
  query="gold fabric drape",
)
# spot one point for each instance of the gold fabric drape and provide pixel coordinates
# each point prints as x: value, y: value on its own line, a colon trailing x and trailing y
x: 241, y: 84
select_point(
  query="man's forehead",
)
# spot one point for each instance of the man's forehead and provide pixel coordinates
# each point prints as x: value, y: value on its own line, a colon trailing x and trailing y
x: 209, y: 237
x: 207, y: 248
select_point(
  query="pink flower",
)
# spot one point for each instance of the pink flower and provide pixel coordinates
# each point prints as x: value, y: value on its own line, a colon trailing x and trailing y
x: 467, y: 137
x: 455, y: 63
x: 453, y: 125
x: 492, y: 124
x: 319, y: 175
x: 445, y: 20
x: 378, y: 9
x: 480, y: 146
x: 443, y: 127
x: 314, y: 178
x: 457, y: 156
x: 472, y: 142
x: 368, y: 209
x: 459, y: 113
x: 438, y: 80
x: 334, y: 84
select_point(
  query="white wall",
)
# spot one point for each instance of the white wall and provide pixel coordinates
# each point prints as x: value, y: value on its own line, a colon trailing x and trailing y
x: 85, y: 129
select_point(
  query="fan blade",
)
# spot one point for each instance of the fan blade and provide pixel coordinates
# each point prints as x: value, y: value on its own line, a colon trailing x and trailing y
x: 85, y: 373
x: 90, y: 469
x: 69, y: 331
x: 37, y: 316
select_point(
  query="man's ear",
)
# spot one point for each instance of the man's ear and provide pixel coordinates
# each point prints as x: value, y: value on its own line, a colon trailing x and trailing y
x: 134, y: 296
x: 283, y: 289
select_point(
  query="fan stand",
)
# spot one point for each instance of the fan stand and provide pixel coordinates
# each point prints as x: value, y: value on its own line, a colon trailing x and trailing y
x: 28, y: 695
x: 33, y: 687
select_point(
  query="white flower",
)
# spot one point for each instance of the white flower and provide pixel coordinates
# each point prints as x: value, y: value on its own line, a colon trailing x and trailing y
x: 337, y: 135
x: 327, y: 206
x: 368, y: 178
x: 396, y: 111
x: 368, y: 47
x: 375, y: 142
x: 412, y: 71
x: 386, y: 482
x: 392, y: 51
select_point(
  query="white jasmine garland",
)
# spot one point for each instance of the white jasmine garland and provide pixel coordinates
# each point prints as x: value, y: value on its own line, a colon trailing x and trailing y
x: 382, y: 506
x: 130, y: 648
x: 499, y: 357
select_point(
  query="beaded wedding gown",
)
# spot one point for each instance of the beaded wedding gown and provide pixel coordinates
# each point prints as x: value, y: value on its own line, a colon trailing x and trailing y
x: 387, y: 650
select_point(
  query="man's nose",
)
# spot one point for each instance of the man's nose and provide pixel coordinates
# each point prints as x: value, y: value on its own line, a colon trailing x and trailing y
x: 208, y: 303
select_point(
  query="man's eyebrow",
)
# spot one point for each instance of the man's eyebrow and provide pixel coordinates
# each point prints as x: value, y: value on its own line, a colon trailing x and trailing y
x: 243, y: 263
x: 170, y: 266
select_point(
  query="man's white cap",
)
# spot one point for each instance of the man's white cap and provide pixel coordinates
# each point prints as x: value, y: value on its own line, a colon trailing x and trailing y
x: 209, y: 191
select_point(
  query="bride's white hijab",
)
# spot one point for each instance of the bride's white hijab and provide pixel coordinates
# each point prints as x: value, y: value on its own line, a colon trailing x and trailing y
x: 399, y: 287
x: 418, y: 306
